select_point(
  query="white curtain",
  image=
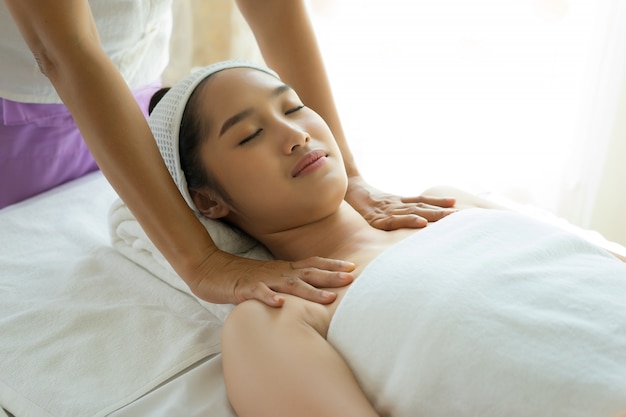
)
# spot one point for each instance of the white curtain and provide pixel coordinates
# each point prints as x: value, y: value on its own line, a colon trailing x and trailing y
x: 594, y: 194
x: 523, y: 98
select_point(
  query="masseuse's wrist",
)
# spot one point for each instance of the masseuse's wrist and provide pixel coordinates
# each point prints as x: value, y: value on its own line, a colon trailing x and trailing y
x: 356, y: 183
x: 208, y: 276
x: 352, y: 170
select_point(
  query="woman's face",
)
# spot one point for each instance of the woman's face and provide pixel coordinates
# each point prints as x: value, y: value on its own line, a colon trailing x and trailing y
x: 275, y: 158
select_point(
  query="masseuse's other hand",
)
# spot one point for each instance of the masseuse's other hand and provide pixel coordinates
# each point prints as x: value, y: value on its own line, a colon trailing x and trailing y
x: 389, y: 212
x: 232, y: 279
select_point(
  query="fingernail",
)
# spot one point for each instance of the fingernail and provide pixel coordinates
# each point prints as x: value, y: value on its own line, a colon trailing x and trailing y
x: 345, y: 276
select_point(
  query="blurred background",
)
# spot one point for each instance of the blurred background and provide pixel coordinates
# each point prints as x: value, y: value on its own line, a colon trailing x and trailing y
x: 523, y: 99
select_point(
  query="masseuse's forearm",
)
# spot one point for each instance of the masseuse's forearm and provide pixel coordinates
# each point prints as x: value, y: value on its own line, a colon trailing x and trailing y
x: 122, y: 144
x: 63, y: 38
x: 287, y: 41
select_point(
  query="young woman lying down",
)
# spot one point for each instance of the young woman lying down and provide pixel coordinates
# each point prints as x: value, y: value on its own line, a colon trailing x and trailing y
x: 483, y: 313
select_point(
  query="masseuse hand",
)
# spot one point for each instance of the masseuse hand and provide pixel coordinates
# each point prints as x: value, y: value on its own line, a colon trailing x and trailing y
x: 235, y: 279
x: 389, y: 212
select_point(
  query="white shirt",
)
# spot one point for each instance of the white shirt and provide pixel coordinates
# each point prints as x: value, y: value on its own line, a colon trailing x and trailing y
x: 134, y: 33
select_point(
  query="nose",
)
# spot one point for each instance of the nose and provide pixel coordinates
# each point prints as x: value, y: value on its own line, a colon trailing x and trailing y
x: 294, y: 137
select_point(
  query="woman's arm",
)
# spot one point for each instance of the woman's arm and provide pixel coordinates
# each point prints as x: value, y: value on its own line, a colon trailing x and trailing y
x: 64, y: 40
x: 286, y: 38
x: 65, y: 43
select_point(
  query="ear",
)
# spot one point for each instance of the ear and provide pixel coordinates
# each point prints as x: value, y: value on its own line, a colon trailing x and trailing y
x: 213, y: 208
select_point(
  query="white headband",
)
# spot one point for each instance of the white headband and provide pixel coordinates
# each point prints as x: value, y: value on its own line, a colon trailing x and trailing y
x: 166, y: 117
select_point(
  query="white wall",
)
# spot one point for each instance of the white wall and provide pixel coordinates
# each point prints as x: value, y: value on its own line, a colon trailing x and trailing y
x: 488, y: 95
x: 609, y: 208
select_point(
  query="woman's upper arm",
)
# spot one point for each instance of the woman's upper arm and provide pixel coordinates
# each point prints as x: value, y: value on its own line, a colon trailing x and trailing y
x: 273, y: 21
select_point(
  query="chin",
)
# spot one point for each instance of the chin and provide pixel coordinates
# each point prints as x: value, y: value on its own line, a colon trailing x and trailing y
x: 344, y: 188
x: 338, y: 186
x: 328, y: 199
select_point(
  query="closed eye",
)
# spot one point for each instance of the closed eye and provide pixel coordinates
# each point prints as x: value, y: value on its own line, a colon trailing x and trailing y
x: 249, y: 138
x: 295, y: 109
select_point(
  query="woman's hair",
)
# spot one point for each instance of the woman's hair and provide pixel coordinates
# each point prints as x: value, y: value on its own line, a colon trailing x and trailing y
x: 156, y: 97
x: 193, y: 128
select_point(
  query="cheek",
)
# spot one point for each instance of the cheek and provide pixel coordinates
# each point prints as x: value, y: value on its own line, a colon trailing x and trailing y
x: 320, y: 127
x: 245, y: 181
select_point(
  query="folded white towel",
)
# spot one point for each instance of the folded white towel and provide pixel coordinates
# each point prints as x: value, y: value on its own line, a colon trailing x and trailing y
x: 129, y: 238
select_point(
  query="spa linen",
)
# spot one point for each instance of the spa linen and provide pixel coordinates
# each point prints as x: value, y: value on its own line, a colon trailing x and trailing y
x: 84, y: 331
x: 129, y: 238
x: 488, y: 313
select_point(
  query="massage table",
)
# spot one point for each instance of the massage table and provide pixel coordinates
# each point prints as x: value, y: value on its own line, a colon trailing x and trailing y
x: 94, y: 323
x: 84, y: 331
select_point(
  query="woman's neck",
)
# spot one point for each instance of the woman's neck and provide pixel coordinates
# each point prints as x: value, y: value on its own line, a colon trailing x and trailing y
x: 344, y: 235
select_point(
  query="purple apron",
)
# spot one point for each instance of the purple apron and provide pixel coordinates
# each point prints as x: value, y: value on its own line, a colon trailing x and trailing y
x: 41, y: 147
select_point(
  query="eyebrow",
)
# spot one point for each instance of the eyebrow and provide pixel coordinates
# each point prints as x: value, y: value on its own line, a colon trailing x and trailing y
x: 233, y: 120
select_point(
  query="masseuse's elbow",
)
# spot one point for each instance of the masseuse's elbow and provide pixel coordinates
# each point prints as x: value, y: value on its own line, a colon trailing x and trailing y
x: 67, y: 53
x: 43, y: 52
x: 64, y: 64
x: 44, y: 62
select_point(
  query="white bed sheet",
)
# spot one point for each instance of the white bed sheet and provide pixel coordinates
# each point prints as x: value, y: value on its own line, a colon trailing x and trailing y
x: 46, y: 243
x: 197, y: 392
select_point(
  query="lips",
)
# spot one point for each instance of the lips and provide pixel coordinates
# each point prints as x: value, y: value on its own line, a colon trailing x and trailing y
x: 306, y: 161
